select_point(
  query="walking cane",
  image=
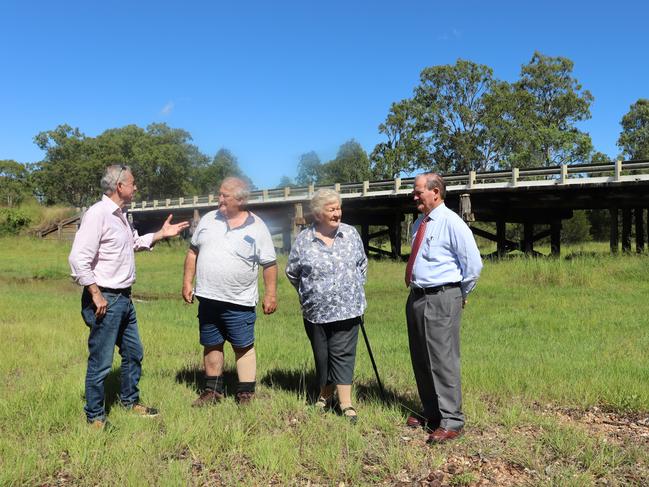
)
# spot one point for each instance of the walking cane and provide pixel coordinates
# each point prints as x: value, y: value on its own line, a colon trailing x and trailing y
x: 369, y: 350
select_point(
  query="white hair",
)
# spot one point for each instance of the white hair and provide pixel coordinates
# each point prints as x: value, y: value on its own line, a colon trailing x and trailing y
x: 240, y: 187
x: 114, y: 174
x: 322, y: 198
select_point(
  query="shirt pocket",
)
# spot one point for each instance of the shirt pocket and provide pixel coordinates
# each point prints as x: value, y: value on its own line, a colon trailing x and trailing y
x: 246, y: 248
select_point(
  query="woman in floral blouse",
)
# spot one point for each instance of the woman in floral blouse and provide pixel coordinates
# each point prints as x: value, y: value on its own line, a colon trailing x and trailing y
x: 328, y: 267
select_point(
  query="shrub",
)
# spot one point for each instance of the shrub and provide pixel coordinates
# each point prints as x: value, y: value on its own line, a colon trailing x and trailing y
x: 13, y: 220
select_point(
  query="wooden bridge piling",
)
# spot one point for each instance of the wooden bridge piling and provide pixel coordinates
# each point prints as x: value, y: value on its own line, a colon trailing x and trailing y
x: 626, y: 230
x: 639, y: 231
x: 614, y: 233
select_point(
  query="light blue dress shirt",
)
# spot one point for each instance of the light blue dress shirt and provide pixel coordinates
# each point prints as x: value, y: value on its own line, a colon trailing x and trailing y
x: 448, y: 253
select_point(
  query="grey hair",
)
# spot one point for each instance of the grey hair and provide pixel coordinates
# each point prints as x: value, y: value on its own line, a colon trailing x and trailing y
x: 434, y: 180
x: 322, y: 198
x: 114, y: 174
x: 240, y: 187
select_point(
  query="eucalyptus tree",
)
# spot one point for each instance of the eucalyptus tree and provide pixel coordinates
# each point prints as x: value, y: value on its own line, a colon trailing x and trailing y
x: 461, y: 118
x: 351, y: 164
x: 553, y: 102
x: 162, y: 158
x: 634, y: 138
x: 308, y: 169
x: 14, y: 182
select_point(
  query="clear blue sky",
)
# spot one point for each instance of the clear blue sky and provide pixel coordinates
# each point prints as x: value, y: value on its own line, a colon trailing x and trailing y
x: 273, y: 80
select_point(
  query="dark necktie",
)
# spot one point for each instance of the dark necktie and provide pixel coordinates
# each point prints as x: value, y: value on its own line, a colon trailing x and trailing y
x: 421, y: 231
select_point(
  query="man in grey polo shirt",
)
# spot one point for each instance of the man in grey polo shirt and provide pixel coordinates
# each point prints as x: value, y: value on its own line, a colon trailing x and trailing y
x: 227, y: 249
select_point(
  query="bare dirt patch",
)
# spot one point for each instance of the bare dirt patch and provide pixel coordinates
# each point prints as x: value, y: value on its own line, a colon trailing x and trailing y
x: 619, y: 428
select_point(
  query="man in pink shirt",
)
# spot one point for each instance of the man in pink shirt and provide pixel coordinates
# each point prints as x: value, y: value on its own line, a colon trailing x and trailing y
x: 102, y: 260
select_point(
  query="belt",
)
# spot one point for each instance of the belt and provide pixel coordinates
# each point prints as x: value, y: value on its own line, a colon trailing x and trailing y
x: 420, y: 291
x: 125, y: 291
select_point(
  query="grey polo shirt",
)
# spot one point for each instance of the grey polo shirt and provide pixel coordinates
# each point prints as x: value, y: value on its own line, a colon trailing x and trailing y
x: 228, y: 261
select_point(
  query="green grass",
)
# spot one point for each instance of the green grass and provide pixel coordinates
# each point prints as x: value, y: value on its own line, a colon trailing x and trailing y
x: 538, y: 336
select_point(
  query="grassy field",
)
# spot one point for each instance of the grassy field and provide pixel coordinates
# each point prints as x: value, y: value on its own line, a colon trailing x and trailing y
x: 555, y: 381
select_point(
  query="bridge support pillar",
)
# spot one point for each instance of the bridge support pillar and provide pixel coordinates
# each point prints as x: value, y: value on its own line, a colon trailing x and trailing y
x: 639, y: 231
x: 555, y: 238
x: 298, y: 220
x: 395, y: 236
x: 293, y: 227
x: 615, y: 236
x: 626, y: 230
x: 194, y: 223
x: 528, y: 238
x: 365, y: 237
x: 286, y: 240
x: 501, y: 238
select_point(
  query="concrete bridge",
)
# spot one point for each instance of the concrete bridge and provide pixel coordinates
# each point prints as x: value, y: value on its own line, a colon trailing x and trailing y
x: 539, y: 198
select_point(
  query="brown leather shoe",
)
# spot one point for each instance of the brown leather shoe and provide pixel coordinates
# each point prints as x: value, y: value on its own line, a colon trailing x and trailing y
x: 208, y: 397
x: 415, y: 422
x: 441, y: 435
x: 418, y: 421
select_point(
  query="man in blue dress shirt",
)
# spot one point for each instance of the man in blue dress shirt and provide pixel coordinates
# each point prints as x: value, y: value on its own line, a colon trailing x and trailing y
x: 443, y: 268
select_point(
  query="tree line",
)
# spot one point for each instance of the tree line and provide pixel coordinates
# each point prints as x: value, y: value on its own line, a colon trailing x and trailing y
x: 460, y: 117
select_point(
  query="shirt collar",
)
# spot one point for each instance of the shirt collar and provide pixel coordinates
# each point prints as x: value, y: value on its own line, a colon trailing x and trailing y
x: 249, y: 220
x: 110, y: 203
x: 339, y: 233
x: 437, y: 211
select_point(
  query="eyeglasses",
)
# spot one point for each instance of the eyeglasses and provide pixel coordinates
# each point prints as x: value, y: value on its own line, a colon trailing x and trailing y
x: 122, y: 168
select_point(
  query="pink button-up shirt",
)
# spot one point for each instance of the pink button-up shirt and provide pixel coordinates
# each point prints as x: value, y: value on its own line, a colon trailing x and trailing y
x: 104, y: 246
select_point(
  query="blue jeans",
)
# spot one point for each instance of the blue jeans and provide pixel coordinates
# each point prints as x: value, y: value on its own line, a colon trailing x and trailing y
x: 117, y: 327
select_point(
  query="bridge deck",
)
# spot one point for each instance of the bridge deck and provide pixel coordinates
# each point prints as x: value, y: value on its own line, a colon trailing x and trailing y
x: 592, y: 175
x: 540, y: 196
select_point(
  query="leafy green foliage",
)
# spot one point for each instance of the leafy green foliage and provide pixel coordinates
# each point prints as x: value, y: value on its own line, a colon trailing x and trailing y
x: 555, y: 101
x: 576, y: 229
x: 634, y: 138
x: 286, y: 182
x: 14, y: 182
x: 350, y: 165
x: 308, y: 169
x: 461, y: 118
x: 224, y: 164
x: 13, y: 220
x: 162, y: 158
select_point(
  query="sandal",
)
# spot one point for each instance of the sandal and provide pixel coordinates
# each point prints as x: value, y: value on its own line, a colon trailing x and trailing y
x: 323, y: 403
x: 352, y: 418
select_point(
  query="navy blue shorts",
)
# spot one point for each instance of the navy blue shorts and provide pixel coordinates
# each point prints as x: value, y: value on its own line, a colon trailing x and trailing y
x: 220, y: 321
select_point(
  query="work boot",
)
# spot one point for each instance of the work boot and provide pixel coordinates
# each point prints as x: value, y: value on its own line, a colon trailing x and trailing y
x: 144, y: 411
x: 100, y: 424
x: 245, y: 392
x: 208, y: 397
x: 245, y: 398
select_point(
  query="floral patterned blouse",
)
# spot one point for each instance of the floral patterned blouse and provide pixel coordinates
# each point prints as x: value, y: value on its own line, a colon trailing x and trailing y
x: 329, y: 280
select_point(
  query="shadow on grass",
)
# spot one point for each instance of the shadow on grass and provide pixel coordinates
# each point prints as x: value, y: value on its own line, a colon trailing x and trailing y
x: 111, y: 388
x: 371, y: 392
x: 194, y: 377
x: 304, y: 383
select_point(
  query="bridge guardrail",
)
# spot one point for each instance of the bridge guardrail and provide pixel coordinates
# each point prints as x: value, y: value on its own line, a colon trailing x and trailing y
x: 618, y: 171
